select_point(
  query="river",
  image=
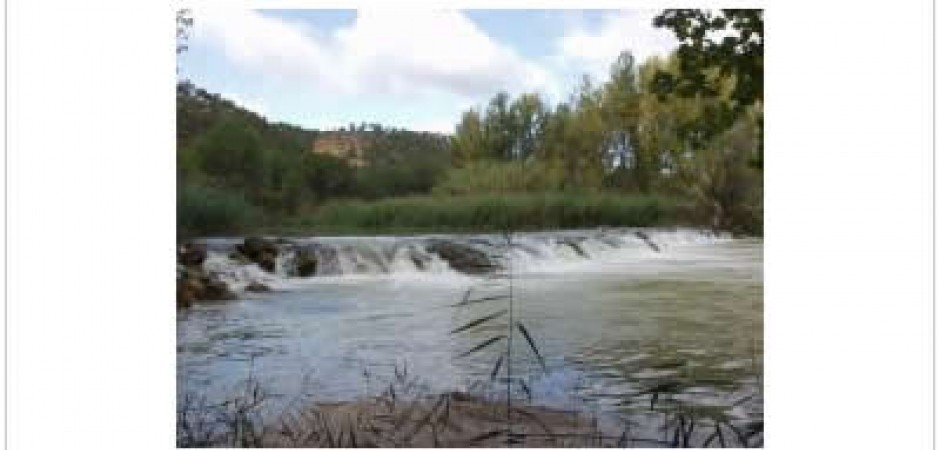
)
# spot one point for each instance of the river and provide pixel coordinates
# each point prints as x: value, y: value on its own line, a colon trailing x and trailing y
x: 615, y: 314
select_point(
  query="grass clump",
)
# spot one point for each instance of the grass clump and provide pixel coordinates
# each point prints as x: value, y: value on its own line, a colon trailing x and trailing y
x: 203, y: 210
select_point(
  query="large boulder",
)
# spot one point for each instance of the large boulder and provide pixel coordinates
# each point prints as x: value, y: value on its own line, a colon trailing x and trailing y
x: 260, y: 251
x: 215, y: 289
x: 191, y: 254
x: 267, y: 261
x: 462, y: 257
x: 188, y: 286
x: 255, y: 286
x: 193, y: 285
x: 305, y: 263
x: 185, y: 294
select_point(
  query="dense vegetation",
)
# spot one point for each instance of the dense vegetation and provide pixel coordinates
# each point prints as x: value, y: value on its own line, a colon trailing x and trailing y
x: 236, y: 171
x: 491, y: 212
x: 674, y: 140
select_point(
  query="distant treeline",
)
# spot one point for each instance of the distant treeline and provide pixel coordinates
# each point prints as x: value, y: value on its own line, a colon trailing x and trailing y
x: 685, y: 130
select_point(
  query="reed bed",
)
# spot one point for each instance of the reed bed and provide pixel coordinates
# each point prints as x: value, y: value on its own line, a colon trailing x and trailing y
x: 495, y: 212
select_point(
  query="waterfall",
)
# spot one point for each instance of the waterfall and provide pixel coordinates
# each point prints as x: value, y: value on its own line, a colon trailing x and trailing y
x: 449, y: 255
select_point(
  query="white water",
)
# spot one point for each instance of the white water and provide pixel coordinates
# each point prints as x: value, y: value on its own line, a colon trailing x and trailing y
x: 409, y: 258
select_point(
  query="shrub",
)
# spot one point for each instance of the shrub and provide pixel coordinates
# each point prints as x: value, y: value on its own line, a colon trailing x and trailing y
x: 501, y: 177
x: 204, y: 210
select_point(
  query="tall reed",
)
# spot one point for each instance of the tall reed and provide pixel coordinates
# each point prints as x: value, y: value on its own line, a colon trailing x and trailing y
x: 496, y: 213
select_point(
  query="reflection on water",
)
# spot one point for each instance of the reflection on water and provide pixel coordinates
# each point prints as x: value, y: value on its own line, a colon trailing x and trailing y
x: 687, y: 321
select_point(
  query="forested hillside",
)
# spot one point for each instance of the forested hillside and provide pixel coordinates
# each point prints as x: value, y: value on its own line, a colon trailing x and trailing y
x: 237, y: 170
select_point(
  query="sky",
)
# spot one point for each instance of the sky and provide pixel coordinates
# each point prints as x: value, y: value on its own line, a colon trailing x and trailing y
x: 415, y: 69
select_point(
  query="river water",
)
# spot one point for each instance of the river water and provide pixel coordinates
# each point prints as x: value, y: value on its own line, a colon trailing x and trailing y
x: 616, y: 314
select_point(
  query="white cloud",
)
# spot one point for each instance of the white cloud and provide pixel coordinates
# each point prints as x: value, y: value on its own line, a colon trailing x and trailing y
x: 596, y: 49
x: 250, y: 39
x: 444, y: 125
x: 401, y: 53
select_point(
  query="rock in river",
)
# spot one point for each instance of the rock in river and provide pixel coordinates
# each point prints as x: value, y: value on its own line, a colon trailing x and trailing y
x: 462, y: 257
x: 255, y: 286
x: 260, y: 251
x: 191, y: 254
x: 305, y: 263
x: 194, y: 284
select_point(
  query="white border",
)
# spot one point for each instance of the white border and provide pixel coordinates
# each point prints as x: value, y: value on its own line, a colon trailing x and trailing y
x: 849, y: 247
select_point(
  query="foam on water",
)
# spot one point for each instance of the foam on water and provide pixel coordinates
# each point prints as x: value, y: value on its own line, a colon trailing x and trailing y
x: 406, y: 259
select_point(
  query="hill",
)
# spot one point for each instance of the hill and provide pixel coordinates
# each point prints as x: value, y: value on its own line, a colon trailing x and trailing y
x: 236, y: 167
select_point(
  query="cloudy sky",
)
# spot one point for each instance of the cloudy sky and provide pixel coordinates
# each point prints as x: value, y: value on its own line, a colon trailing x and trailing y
x: 414, y: 69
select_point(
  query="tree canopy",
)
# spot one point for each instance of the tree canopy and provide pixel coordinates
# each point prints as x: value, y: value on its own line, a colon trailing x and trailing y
x: 713, y: 47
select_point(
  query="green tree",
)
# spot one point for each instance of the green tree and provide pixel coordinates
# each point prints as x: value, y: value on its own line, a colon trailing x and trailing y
x: 469, y: 141
x: 726, y: 186
x: 325, y: 176
x: 498, y: 128
x: 575, y: 138
x: 621, y: 102
x: 717, y: 49
x: 528, y: 117
x: 731, y: 41
x: 231, y: 151
x: 588, y: 139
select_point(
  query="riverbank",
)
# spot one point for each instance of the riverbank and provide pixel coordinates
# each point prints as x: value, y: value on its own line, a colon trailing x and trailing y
x: 449, y: 420
x: 437, y: 213
x: 454, y: 419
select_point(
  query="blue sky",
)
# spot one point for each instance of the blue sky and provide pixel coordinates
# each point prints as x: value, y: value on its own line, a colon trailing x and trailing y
x: 415, y: 69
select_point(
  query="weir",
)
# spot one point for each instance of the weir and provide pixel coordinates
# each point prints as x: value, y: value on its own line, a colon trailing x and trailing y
x: 450, y: 255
